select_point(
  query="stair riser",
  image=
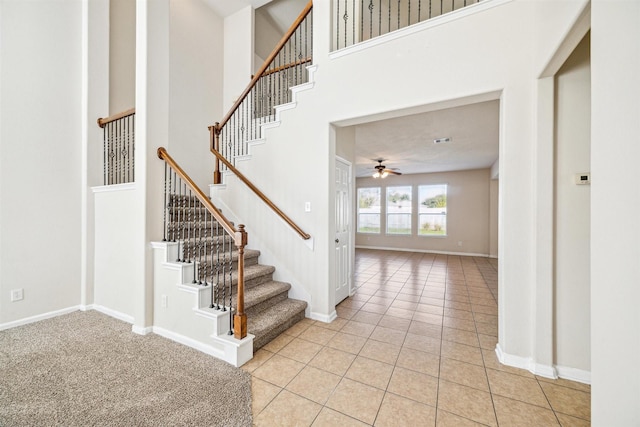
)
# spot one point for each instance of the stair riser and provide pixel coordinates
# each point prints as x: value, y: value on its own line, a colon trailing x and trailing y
x: 248, y: 283
x: 263, y: 340
x: 189, y: 254
x: 267, y: 303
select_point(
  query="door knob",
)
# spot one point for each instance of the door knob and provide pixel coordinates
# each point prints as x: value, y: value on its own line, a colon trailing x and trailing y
x: 337, y: 241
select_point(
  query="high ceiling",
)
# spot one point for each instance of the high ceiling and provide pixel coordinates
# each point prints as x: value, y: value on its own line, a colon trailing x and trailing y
x: 225, y: 8
x: 406, y: 142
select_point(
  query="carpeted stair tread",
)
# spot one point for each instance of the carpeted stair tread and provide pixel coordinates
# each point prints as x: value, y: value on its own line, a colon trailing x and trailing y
x: 270, y: 323
x: 258, y: 298
x: 254, y: 275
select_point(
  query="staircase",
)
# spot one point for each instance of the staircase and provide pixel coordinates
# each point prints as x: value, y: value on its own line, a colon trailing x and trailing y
x: 268, y: 308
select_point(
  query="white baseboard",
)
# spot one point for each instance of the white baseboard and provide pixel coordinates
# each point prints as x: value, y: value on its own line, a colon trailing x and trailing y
x: 527, y: 363
x: 547, y: 371
x: 140, y: 330
x: 426, y: 251
x: 38, y: 317
x: 110, y: 312
x: 574, y: 374
x: 326, y: 318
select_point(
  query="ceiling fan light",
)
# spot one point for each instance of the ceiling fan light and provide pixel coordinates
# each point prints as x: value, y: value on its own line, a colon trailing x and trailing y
x: 376, y: 174
x: 384, y: 174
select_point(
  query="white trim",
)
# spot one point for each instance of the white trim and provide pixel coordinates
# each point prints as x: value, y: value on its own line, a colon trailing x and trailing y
x: 160, y: 245
x: 140, y: 330
x: 110, y: 312
x: 546, y: 371
x: 189, y: 342
x: 574, y: 374
x: 39, y: 317
x: 426, y: 251
x: 115, y: 187
x: 421, y: 26
x: 526, y: 363
x: 326, y: 318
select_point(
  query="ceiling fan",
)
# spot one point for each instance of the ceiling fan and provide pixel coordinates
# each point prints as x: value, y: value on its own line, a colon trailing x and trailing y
x: 382, y: 171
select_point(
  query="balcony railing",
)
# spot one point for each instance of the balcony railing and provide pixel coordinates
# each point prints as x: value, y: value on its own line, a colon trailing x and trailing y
x: 355, y: 21
x: 119, y: 132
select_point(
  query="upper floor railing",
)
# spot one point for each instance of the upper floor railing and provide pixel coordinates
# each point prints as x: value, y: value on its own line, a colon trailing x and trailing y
x: 355, y: 21
x: 119, y: 132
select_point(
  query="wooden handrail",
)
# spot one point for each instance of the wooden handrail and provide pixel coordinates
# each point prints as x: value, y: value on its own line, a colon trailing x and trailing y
x: 287, y: 66
x: 226, y: 224
x: 103, y: 121
x: 248, y: 183
x: 268, y: 61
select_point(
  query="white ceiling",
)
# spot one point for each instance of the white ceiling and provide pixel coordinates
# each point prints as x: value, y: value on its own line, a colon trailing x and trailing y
x: 225, y: 8
x: 406, y: 142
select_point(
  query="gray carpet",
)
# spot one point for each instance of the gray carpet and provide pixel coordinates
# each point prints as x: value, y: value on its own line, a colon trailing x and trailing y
x: 88, y: 369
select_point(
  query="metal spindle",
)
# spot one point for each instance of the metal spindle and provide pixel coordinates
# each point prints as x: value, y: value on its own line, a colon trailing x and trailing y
x: 189, y: 220
x: 202, y: 272
x: 164, y: 210
x: 230, y: 288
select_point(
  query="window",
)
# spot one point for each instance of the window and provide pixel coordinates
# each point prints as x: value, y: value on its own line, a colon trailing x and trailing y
x: 369, y: 210
x: 432, y: 210
x: 399, y: 210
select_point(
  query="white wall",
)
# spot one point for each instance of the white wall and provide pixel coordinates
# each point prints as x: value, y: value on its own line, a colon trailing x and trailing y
x: 122, y: 52
x: 615, y: 253
x: 494, y: 225
x: 40, y: 156
x: 195, y: 85
x: 572, y: 211
x: 505, y: 60
x: 116, y: 225
x: 237, y: 61
x: 468, y: 209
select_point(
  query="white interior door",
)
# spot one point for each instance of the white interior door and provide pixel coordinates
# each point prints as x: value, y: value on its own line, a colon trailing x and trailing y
x: 343, y: 229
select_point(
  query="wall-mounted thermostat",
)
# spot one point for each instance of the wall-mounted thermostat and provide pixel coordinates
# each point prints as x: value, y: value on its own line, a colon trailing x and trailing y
x: 583, y: 178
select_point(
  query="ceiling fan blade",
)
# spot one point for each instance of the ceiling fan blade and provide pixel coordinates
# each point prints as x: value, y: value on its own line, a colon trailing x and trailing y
x: 392, y: 171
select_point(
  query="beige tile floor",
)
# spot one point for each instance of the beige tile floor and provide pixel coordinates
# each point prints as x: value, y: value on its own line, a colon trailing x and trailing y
x: 413, y: 347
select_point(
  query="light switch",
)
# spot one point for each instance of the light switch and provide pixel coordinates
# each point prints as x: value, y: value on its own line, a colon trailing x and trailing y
x: 307, y: 206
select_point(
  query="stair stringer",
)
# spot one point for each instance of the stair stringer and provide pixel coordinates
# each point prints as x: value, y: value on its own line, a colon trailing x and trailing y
x: 298, y: 261
x: 295, y: 90
x: 181, y: 313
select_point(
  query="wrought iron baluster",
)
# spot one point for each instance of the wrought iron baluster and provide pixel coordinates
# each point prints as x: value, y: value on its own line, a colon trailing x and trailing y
x: 345, y: 17
x: 204, y: 262
x: 353, y: 22
x: 230, y: 288
x: 337, y: 24
x: 133, y: 149
x: 224, y: 273
x: 189, y: 243
x: 110, y: 161
x: 172, y: 191
x: 164, y: 203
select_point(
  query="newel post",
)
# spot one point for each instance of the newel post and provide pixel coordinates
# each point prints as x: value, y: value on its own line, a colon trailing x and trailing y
x: 214, y: 136
x: 240, y: 318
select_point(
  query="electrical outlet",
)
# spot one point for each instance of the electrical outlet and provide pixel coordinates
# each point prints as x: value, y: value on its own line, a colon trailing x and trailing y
x: 459, y: 242
x: 17, y: 295
x: 164, y: 301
